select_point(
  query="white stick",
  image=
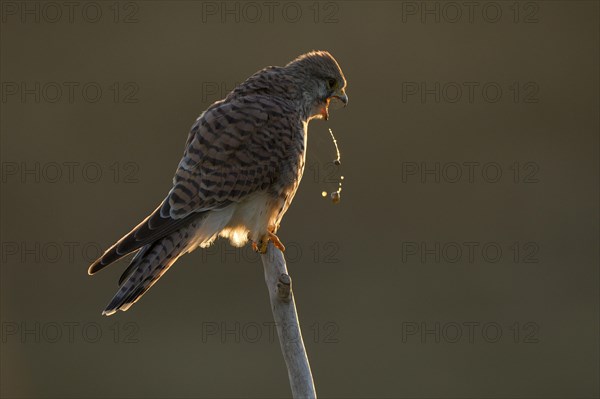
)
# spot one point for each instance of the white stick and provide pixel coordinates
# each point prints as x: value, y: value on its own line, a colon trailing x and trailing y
x: 279, y: 284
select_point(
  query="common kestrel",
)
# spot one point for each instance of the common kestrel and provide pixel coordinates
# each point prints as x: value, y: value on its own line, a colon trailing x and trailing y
x: 243, y: 161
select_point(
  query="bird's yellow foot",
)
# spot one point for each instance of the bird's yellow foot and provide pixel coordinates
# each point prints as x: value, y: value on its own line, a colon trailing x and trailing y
x: 261, y: 247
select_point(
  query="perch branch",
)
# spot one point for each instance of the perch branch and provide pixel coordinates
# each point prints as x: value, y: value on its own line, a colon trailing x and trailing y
x: 279, y: 284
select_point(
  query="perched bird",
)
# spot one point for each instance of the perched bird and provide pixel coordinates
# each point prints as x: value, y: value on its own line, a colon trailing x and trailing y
x: 243, y: 160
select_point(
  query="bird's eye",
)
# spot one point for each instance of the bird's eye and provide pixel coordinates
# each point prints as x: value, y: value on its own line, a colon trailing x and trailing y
x: 331, y: 83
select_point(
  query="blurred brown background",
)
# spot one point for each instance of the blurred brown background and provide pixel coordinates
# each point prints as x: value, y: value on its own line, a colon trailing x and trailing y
x: 435, y: 276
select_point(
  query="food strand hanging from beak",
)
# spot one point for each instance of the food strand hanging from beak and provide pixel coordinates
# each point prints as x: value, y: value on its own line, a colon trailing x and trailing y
x: 335, y: 195
x: 338, y: 160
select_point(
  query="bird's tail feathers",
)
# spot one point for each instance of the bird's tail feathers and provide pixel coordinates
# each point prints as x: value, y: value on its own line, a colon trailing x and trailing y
x: 148, y: 265
x: 154, y: 259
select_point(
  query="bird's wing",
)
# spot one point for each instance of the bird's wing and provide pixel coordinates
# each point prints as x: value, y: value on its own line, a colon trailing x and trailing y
x: 232, y: 153
x: 234, y: 149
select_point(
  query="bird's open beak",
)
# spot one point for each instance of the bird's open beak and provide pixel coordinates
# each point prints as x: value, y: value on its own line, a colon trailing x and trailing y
x: 338, y: 94
x: 342, y: 96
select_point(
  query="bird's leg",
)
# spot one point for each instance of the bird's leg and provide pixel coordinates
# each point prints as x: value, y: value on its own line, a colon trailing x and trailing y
x: 261, y: 246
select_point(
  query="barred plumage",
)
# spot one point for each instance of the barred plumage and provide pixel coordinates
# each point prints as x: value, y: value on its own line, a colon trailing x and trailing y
x: 242, y: 164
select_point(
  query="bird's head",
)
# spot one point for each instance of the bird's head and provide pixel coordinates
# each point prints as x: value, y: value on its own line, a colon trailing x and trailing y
x: 321, y: 81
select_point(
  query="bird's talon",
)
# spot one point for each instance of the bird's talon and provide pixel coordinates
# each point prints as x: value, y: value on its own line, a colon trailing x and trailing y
x: 264, y: 243
x: 276, y: 242
x: 261, y: 246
